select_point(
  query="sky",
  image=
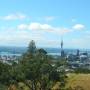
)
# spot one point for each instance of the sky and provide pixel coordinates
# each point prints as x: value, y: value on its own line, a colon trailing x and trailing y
x: 45, y: 21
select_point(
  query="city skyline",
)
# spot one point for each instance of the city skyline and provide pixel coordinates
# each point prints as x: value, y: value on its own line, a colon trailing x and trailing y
x: 46, y: 22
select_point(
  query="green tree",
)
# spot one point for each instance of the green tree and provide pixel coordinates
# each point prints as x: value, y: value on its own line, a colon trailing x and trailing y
x: 31, y: 48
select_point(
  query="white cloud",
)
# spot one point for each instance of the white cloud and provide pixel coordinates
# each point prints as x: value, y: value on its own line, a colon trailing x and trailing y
x: 62, y: 31
x: 43, y: 34
x: 78, y: 27
x: 22, y: 26
x: 14, y: 37
x: 38, y: 26
x: 43, y: 27
x: 16, y: 16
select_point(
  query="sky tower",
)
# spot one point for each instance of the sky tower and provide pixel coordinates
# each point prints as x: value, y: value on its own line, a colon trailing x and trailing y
x: 62, y: 51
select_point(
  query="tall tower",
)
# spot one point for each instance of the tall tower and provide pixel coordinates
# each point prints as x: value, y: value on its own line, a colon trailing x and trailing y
x: 62, y: 51
x: 61, y: 44
x: 77, y: 52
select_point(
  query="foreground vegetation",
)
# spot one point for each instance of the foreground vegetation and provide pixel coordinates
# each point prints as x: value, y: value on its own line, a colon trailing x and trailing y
x: 34, y: 71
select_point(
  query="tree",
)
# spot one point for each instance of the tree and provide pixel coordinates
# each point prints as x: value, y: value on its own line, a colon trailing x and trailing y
x: 31, y: 48
x: 30, y: 53
x: 41, y: 53
x: 38, y: 70
x: 4, y: 73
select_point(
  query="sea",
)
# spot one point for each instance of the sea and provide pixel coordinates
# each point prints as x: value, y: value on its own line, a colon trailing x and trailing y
x: 18, y: 51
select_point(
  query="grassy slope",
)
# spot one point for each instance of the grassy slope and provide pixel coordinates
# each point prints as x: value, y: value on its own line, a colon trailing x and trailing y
x: 82, y: 80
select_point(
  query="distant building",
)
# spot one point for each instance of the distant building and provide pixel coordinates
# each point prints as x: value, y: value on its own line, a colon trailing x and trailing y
x: 84, y: 57
x: 78, y: 52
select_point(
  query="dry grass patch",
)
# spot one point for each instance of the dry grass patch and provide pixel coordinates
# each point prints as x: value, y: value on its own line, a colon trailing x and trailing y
x: 79, y: 80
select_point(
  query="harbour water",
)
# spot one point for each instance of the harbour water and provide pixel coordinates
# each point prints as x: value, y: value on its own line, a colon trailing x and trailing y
x: 18, y: 51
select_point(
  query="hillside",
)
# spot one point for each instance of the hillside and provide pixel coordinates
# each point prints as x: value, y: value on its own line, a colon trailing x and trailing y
x: 79, y: 80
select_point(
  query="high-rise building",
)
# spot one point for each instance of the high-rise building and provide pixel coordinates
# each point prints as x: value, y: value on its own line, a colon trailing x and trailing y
x: 78, y: 52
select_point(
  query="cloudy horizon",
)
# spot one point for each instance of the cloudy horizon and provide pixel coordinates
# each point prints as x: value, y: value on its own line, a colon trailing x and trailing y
x: 46, y: 22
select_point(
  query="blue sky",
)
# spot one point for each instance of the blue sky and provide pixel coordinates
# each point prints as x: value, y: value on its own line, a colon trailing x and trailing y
x: 46, y: 22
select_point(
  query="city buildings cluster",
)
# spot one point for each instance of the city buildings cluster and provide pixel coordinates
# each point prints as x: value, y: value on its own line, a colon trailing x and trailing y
x: 76, y: 60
